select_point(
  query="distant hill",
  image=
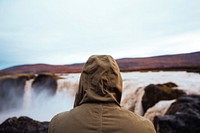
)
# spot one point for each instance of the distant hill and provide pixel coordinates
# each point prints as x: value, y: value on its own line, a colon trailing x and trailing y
x: 178, y: 62
x: 44, y: 68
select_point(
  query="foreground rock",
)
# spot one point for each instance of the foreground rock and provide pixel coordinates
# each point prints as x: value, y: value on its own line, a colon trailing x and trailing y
x: 155, y: 93
x: 183, y: 116
x: 23, y: 125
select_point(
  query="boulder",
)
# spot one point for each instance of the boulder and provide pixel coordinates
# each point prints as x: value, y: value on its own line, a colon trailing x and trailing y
x: 23, y: 125
x: 183, y: 116
x: 45, y: 83
x: 155, y: 93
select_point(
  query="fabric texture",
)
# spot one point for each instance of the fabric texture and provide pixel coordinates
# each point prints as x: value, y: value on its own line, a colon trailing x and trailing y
x: 97, y: 103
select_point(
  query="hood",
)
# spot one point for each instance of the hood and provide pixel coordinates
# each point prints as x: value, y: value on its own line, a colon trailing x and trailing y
x: 100, y: 81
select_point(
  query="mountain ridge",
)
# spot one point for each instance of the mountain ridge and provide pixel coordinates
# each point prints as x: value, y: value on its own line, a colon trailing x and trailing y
x: 174, y: 62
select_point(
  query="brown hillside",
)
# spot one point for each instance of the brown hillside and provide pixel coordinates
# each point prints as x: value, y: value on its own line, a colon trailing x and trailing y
x: 180, y: 62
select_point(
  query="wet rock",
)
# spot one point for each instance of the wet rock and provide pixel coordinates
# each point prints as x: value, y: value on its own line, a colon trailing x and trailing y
x: 23, y: 125
x: 183, y: 116
x: 155, y: 93
x: 45, y: 82
x: 189, y: 104
x: 12, y: 91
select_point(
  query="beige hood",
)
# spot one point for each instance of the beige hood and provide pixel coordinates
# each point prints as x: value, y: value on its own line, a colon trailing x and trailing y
x: 100, y: 81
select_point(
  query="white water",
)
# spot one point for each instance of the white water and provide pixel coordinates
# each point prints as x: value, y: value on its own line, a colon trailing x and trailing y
x: 44, y: 107
x: 134, y: 82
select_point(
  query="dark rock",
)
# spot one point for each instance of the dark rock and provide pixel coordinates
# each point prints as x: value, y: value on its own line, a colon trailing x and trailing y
x: 12, y: 91
x: 45, y: 82
x: 23, y: 125
x: 155, y: 93
x: 189, y: 104
x: 179, y: 123
x: 183, y: 116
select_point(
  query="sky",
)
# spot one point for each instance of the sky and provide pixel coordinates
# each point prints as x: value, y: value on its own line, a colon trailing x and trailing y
x: 69, y: 31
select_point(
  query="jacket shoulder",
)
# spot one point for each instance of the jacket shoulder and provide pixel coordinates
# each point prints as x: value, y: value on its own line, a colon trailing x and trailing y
x: 137, y: 122
x: 55, y: 121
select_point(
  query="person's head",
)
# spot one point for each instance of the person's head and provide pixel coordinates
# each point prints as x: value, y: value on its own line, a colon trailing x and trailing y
x: 100, y: 81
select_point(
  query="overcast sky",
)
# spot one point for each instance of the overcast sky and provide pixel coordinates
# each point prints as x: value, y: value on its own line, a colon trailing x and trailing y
x: 69, y: 31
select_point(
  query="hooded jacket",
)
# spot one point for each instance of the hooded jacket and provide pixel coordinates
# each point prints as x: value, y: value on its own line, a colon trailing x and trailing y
x: 97, y: 103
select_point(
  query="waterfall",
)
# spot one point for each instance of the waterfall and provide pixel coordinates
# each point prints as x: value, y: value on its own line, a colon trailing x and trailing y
x: 43, y: 107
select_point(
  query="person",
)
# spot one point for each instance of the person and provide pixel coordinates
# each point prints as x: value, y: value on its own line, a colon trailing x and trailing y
x: 97, y: 103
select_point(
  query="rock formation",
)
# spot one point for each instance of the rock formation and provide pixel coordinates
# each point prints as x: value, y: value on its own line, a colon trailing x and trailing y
x: 183, y: 116
x: 45, y: 82
x: 23, y: 125
x: 155, y: 93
